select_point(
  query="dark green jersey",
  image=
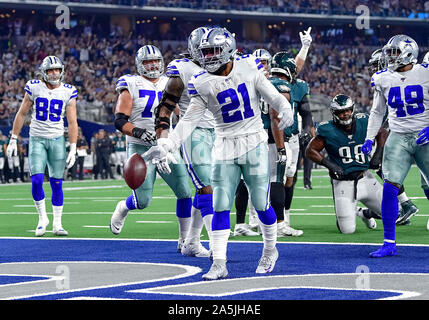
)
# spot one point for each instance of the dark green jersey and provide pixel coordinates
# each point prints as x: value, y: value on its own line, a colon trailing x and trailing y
x: 120, y: 144
x: 298, y: 90
x: 282, y: 86
x: 2, y: 143
x: 343, y: 148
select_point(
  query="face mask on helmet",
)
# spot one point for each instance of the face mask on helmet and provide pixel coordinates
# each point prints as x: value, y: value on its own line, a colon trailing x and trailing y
x: 265, y: 57
x: 52, y: 63
x: 283, y: 63
x: 194, y: 41
x: 216, y: 49
x: 400, y: 51
x: 150, y: 62
x: 376, y: 62
x: 342, y: 110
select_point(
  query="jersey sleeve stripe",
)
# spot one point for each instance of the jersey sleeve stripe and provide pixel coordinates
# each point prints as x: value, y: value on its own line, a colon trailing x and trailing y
x: 191, y: 86
x: 171, y: 72
x: 192, y: 92
x: 73, y: 96
x: 122, y: 84
x: 260, y: 66
x: 28, y: 91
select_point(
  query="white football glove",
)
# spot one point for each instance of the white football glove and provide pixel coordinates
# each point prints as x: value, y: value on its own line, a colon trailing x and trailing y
x: 163, y: 164
x: 71, y: 157
x: 306, y: 37
x: 281, y: 156
x: 284, y: 121
x: 12, y: 147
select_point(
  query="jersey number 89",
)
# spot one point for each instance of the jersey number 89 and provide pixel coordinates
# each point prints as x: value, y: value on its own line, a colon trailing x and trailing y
x: 48, y: 109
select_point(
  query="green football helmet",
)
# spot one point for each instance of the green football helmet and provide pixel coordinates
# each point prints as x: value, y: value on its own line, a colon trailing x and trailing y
x: 284, y: 63
x: 341, y: 103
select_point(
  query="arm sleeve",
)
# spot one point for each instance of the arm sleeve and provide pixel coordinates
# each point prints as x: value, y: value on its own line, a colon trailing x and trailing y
x: 189, y: 122
x: 376, y: 116
x: 276, y: 100
x: 305, y: 113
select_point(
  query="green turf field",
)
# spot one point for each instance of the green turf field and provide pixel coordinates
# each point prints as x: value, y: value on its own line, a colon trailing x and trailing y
x: 88, y: 206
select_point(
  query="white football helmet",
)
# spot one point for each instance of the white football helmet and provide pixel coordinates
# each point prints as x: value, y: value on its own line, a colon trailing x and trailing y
x: 216, y: 49
x: 194, y: 41
x: 49, y: 63
x: 150, y: 52
x: 426, y: 58
x: 264, y: 55
x: 400, y: 51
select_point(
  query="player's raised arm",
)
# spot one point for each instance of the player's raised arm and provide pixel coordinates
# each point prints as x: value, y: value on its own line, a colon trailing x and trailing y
x: 306, y: 40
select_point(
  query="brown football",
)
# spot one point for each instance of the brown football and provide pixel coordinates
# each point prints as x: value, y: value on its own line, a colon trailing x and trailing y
x: 135, y: 171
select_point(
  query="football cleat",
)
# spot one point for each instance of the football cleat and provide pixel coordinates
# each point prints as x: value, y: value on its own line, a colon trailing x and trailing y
x: 118, y: 218
x: 283, y: 230
x: 243, y: 229
x: 370, y: 223
x: 41, y: 227
x: 387, y: 250
x: 195, y: 250
x: 180, y: 244
x: 408, y: 211
x: 217, y: 271
x: 267, y: 262
x: 59, y: 231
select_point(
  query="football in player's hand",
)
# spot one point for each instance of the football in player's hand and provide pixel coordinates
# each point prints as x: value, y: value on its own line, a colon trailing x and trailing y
x: 135, y: 171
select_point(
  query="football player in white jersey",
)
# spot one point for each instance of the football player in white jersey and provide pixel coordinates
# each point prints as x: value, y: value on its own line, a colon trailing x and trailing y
x: 376, y: 63
x: 402, y: 88
x: 134, y: 116
x: 229, y: 88
x: 426, y: 59
x: 51, y: 100
x: 196, y: 150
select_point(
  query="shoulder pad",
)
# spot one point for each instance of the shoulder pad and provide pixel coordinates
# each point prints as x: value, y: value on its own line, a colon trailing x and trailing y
x: 281, y: 85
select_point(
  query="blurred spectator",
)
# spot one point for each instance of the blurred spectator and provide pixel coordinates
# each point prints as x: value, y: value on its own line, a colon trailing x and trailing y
x: 82, y: 152
x: 103, y: 149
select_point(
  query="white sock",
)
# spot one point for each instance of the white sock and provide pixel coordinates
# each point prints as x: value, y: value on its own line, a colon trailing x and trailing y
x: 403, y: 197
x: 269, y: 235
x: 196, y: 226
x: 220, y: 243
x: 287, y: 217
x: 41, y: 209
x: 207, y: 219
x: 58, y: 212
x: 184, y: 224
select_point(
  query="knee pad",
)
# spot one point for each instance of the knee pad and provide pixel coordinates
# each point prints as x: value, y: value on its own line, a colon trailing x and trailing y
x: 37, y: 187
x: 221, y: 200
x: 57, y: 191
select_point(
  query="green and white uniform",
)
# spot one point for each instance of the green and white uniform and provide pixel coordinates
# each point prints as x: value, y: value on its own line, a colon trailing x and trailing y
x: 345, y: 150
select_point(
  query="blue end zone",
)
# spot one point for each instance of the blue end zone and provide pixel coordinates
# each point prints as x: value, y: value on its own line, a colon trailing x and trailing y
x: 294, y: 259
x: 18, y: 279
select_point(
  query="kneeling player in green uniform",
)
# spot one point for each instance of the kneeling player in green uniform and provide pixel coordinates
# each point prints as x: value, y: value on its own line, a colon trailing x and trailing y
x: 342, y: 138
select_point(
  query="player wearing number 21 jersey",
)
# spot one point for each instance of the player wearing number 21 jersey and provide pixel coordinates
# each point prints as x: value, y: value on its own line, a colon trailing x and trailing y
x: 229, y: 88
x: 50, y: 100
x: 402, y: 88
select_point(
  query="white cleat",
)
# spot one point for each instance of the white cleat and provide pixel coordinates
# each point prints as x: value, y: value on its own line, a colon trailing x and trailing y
x: 217, y: 271
x: 370, y: 223
x: 41, y: 227
x: 427, y: 226
x: 180, y: 244
x: 283, y: 230
x: 118, y: 218
x: 243, y: 229
x: 195, y: 250
x: 59, y: 231
x: 267, y: 262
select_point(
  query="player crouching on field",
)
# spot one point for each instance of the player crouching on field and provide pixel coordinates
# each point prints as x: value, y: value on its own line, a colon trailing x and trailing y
x: 342, y: 138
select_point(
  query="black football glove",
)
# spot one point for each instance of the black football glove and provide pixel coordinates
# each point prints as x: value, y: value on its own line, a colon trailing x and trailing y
x: 146, y: 136
x: 335, y: 171
x: 304, y: 138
